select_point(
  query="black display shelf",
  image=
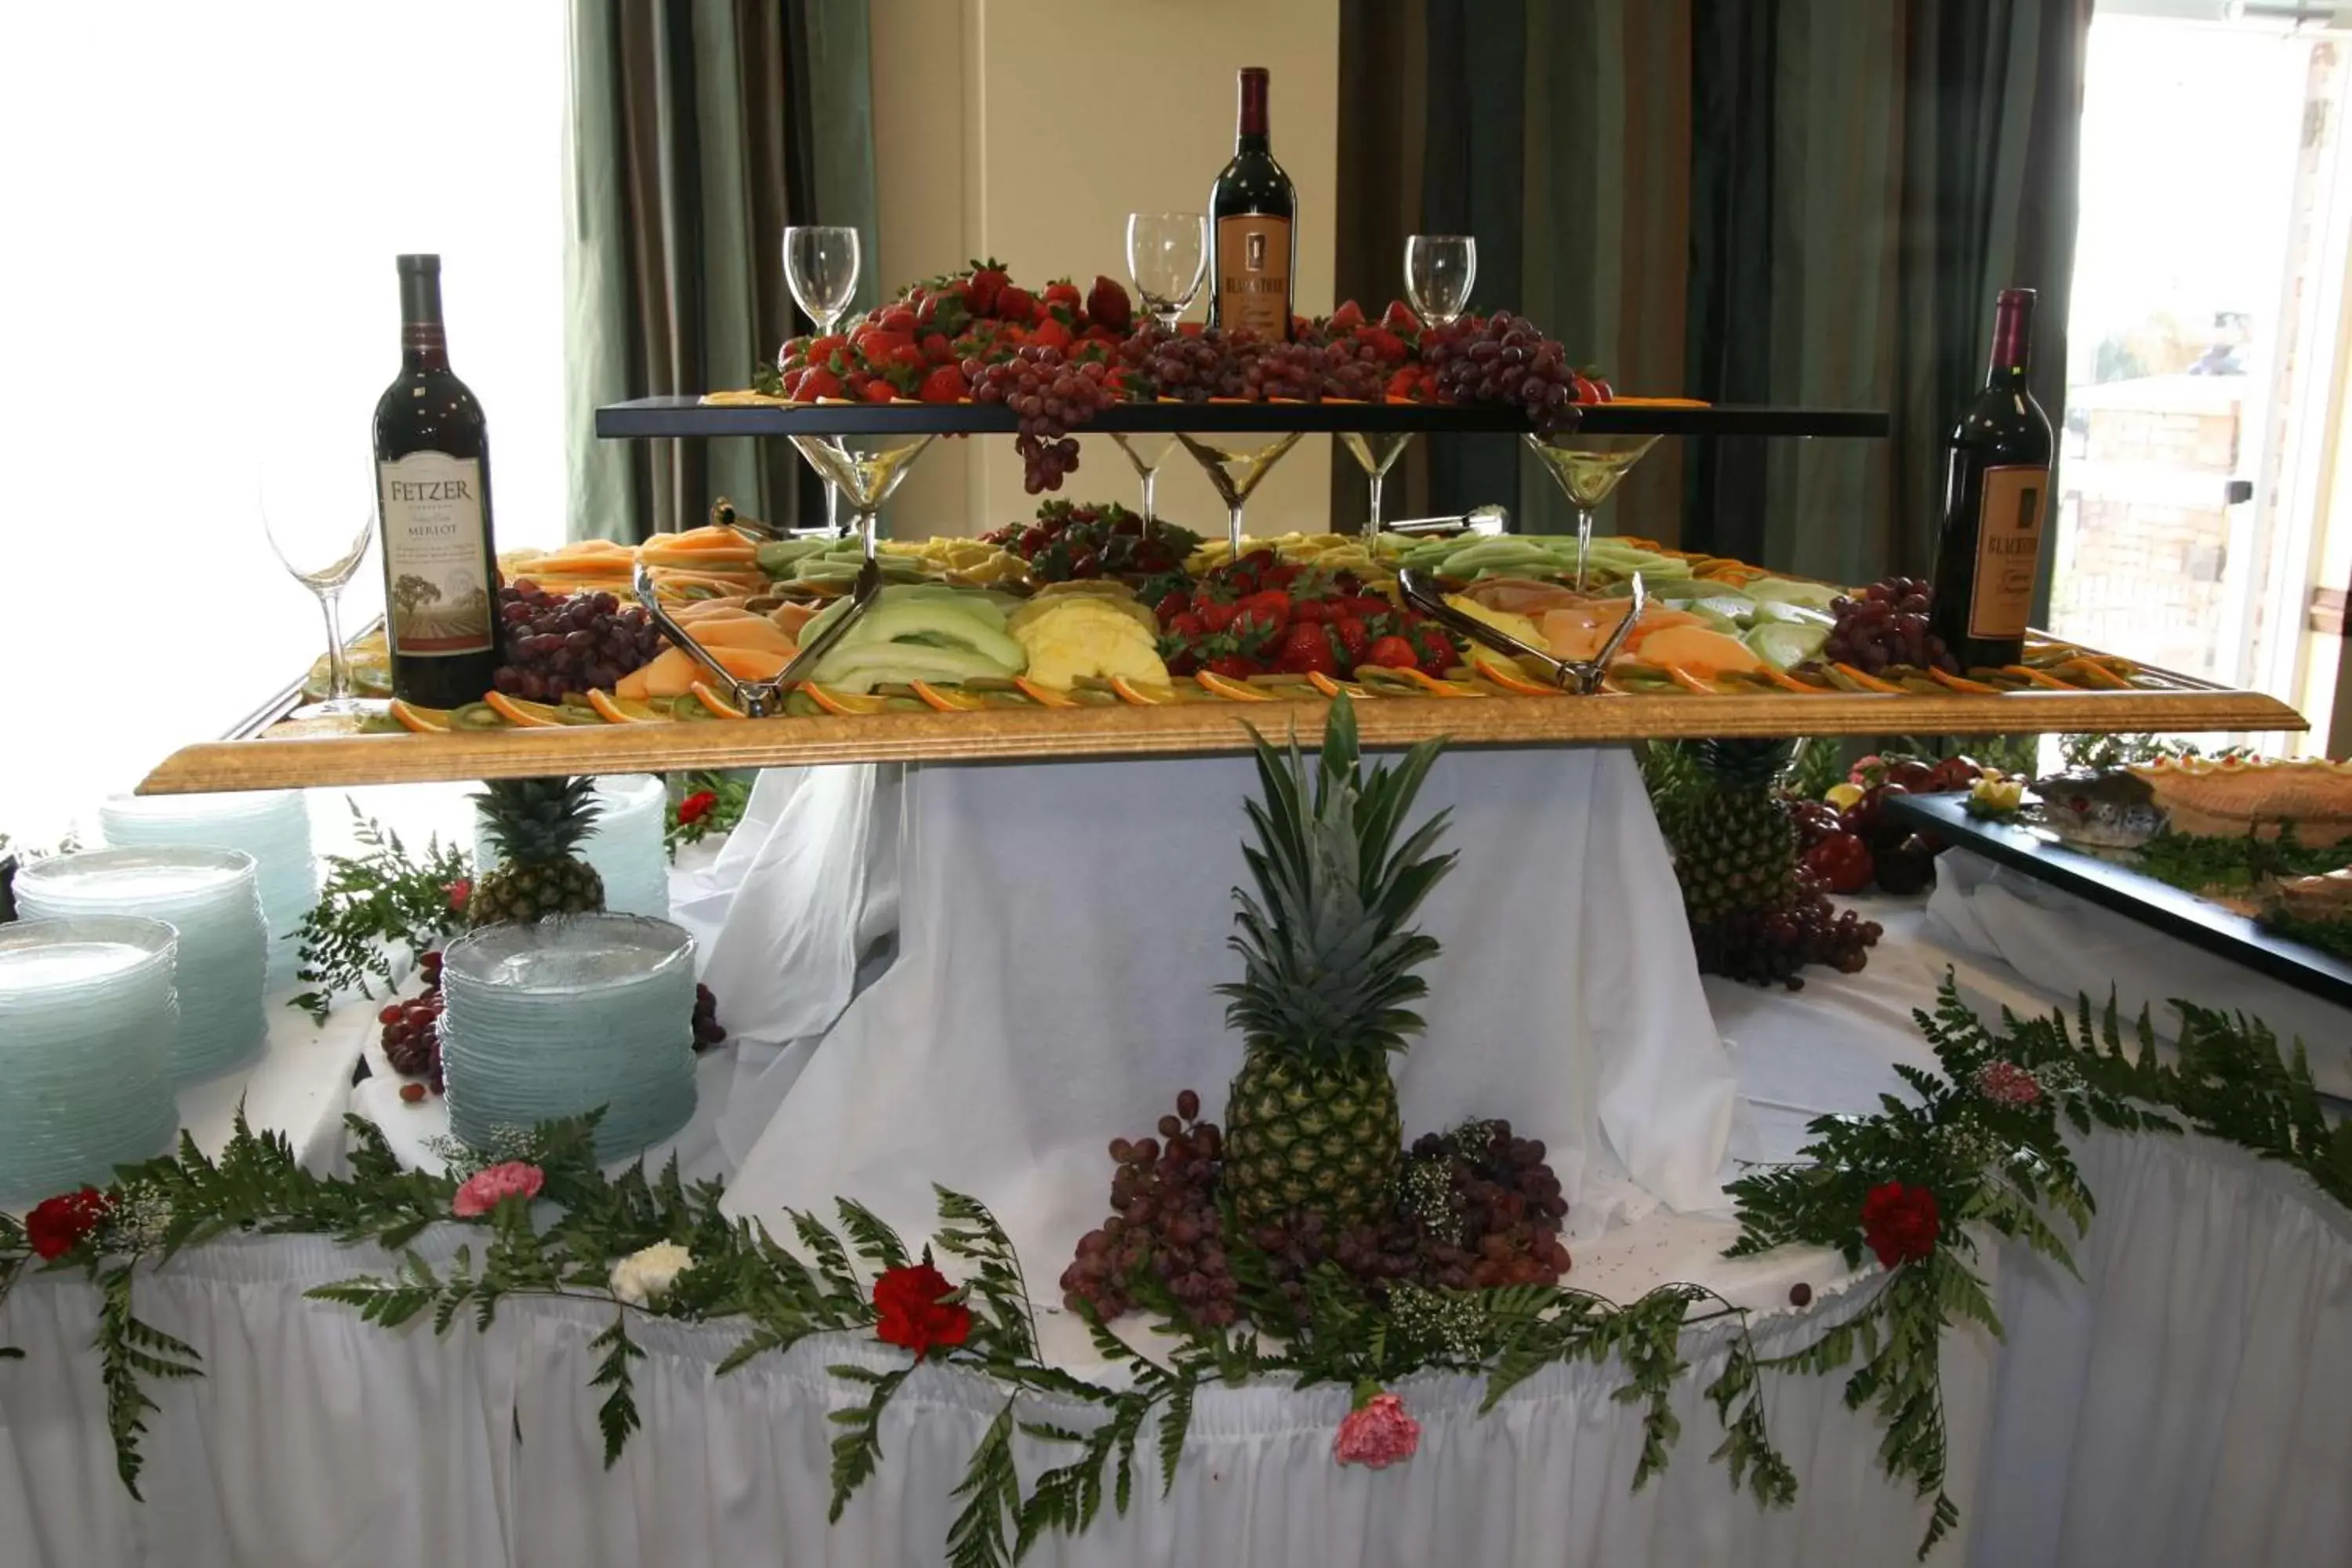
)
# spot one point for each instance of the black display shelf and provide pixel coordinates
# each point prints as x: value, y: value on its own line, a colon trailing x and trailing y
x: 2116, y: 886
x: 676, y: 417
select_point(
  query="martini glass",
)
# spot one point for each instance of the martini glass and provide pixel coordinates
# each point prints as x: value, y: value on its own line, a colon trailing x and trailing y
x: 1376, y: 454
x: 866, y: 474
x: 1144, y: 455
x: 1235, y: 464
x: 1589, y: 468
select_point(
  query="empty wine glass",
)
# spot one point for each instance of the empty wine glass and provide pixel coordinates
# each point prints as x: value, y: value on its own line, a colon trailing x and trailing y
x: 1376, y: 453
x: 1439, y: 270
x: 318, y: 525
x: 821, y: 269
x: 1167, y: 256
x: 1144, y: 455
x: 1235, y: 465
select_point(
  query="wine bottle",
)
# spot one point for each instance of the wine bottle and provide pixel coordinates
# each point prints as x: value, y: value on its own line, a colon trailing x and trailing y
x: 433, y: 504
x: 1996, y: 502
x: 1255, y: 242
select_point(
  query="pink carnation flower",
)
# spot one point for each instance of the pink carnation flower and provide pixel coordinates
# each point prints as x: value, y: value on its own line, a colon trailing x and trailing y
x: 1377, y: 1433
x: 486, y: 1189
x: 2006, y: 1083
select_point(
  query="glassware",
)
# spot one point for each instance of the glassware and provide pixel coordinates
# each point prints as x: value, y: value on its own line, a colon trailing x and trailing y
x: 867, y: 475
x: 1588, y: 469
x: 1376, y: 454
x: 821, y: 263
x: 1236, y: 470
x: 271, y: 825
x: 207, y: 896
x: 1144, y: 455
x: 302, y: 501
x: 1167, y: 256
x: 86, y: 1017
x: 564, y: 1015
x: 1439, y: 270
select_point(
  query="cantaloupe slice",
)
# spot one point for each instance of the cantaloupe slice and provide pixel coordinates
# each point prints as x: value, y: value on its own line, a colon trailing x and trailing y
x: 1702, y: 652
x: 673, y: 672
x: 741, y: 630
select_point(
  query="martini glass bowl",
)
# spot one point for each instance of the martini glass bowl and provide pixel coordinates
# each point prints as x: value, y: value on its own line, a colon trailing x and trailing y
x: 1235, y: 466
x: 1589, y: 468
x: 1376, y: 453
x: 1144, y: 455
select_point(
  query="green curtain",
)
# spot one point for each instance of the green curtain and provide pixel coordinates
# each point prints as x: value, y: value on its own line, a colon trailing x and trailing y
x: 700, y: 129
x: 1787, y: 201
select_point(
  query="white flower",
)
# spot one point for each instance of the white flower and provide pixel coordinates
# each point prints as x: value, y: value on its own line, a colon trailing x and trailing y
x: 644, y: 1277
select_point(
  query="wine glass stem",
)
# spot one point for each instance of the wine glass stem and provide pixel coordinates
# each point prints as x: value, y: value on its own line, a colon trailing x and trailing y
x: 1149, y: 475
x: 1583, y: 543
x: 867, y: 522
x: 339, y: 669
x: 833, y: 509
x: 1372, y: 522
x: 1233, y: 529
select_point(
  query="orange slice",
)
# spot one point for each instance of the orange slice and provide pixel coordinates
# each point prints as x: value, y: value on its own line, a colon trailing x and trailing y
x: 718, y: 707
x: 1786, y: 682
x: 947, y: 701
x: 1428, y: 682
x: 1226, y: 686
x: 1961, y: 683
x: 422, y: 720
x: 1689, y: 682
x: 1142, y: 696
x: 1510, y: 677
x: 1331, y: 688
x: 522, y: 715
x: 848, y: 704
x: 1864, y: 680
x: 1043, y: 696
x: 617, y: 710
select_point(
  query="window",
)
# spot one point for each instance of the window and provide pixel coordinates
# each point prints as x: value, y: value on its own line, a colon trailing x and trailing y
x: 204, y: 203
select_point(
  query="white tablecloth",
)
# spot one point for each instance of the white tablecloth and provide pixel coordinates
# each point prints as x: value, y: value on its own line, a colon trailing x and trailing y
x: 2184, y: 1404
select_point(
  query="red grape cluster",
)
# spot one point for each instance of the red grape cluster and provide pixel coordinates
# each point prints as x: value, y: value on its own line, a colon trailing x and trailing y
x: 557, y: 643
x: 1502, y: 359
x: 1194, y: 367
x: 1165, y: 1223
x: 1769, y: 947
x: 1888, y: 626
x: 707, y: 1030
x: 412, y: 1029
x: 1051, y: 396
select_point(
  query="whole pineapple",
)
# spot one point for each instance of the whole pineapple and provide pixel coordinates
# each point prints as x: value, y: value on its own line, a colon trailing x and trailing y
x: 535, y: 825
x: 1311, y: 1123
x: 1734, y: 845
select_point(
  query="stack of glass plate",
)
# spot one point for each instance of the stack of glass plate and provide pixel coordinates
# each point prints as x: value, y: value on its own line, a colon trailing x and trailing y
x: 86, y: 1022
x: 271, y: 825
x: 208, y: 897
x: 560, y: 1017
x: 627, y: 846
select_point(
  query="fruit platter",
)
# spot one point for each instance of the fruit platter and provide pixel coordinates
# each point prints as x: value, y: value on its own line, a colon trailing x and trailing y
x: 2247, y: 856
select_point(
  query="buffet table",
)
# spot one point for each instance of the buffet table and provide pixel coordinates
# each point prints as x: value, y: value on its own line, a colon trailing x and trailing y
x: 2182, y: 1403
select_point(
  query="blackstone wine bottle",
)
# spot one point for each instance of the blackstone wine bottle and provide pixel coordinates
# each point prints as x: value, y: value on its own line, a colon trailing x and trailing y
x: 1253, y: 243
x: 1996, y: 502
x: 433, y: 504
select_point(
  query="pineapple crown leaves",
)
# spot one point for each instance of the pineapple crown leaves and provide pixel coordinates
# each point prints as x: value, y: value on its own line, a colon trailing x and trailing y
x: 538, y: 819
x: 1327, y: 957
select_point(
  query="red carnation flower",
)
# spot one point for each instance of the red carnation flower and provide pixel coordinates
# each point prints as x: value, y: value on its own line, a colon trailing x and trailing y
x: 913, y: 1314
x: 1899, y: 1222
x: 696, y: 806
x: 459, y: 891
x: 58, y: 1224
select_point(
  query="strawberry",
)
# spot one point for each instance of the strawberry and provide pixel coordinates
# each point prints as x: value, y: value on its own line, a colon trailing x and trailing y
x: 1187, y: 626
x: 1404, y: 384
x: 989, y: 279
x: 1215, y: 617
x: 877, y: 390
x: 1435, y: 648
x: 1050, y: 334
x: 937, y: 350
x: 1016, y: 304
x: 1581, y: 389
x: 944, y: 385
x: 1386, y: 346
x: 878, y: 345
x: 1399, y: 317
x: 1232, y: 667
x: 1270, y: 605
x: 1173, y: 604
x: 822, y: 350
x: 1346, y: 319
x: 1312, y: 612
x: 1355, y: 640
x: 1307, y: 649
x: 903, y: 356
x: 1180, y: 661
x: 1062, y: 292
x: 898, y: 319
x: 1391, y: 652
x: 817, y: 382
x: 1107, y: 304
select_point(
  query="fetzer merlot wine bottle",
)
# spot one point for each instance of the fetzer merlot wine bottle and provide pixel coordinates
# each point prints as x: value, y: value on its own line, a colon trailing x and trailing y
x: 1254, y: 241
x: 433, y: 503
x: 1996, y: 502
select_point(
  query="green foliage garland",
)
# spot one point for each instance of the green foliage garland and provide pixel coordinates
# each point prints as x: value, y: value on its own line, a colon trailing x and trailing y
x: 382, y: 896
x: 1994, y: 1156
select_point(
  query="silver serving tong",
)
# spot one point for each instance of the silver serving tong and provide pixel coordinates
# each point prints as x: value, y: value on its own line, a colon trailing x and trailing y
x: 724, y: 515
x: 1489, y: 520
x: 764, y: 699
x: 1583, y: 677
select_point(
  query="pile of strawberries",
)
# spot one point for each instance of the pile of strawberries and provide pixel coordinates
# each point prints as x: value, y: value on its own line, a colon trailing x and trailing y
x: 931, y: 343
x: 1259, y: 616
x: 1070, y: 539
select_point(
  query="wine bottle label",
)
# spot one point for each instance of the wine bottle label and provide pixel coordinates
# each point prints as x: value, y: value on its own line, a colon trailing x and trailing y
x: 436, y: 567
x: 1253, y: 274
x: 2008, y: 550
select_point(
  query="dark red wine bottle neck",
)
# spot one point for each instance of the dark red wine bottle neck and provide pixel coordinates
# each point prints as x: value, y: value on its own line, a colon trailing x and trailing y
x: 1252, y: 134
x: 2012, y: 338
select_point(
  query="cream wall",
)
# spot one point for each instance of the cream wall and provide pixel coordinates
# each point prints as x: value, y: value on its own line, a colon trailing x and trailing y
x: 1028, y: 129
